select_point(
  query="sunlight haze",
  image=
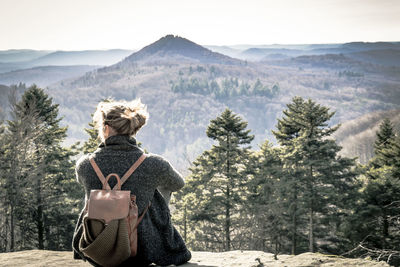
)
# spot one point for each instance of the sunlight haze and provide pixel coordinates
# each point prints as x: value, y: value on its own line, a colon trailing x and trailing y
x: 131, y: 24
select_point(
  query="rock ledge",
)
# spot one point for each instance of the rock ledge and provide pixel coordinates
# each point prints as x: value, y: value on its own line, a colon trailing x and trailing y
x: 46, y: 258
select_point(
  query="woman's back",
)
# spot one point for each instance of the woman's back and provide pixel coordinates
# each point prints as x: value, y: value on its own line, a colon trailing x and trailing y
x: 117, y: 156
x: 158, y: 241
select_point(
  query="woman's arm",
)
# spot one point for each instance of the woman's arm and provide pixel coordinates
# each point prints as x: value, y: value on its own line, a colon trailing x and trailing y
x: 169, y: 178
x: 78, y: 168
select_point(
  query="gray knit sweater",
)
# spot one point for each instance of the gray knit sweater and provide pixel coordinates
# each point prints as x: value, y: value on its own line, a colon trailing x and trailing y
x: 158, y: 241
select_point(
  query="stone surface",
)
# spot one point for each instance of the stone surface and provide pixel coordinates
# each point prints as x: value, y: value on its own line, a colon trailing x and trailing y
x: 45, y: 258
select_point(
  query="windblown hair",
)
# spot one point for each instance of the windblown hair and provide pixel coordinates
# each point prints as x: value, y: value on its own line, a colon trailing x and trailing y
x: 125, y: 118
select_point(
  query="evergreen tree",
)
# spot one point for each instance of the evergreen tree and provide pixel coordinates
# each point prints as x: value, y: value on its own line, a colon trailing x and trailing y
x: 288, y: 128
x: 230, y: 132
x: 391, y: 154
x: 384, y: 135
x: 384, y: 139
x: 41, y: 196
x: 292, y: 188
x: 325, y: 179
x: 3, y: 223
x: 45, y: 147
x: 198, y: 212
x: 267, y: 225
x: 376, y: 223
x: 93, y: 142
x: 18, y: 160
x: 217, y: 181
x: 291, y: 123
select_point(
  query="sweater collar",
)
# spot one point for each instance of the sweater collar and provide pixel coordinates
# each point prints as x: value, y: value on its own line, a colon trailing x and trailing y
x: 119, y: 142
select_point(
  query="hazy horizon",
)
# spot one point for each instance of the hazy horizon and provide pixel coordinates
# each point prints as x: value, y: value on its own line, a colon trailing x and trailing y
x: 125, y: 24
x: 205, y: 45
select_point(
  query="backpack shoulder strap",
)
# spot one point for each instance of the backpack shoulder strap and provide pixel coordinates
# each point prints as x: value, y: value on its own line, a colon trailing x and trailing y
x: 99, y: 173
x: 141, y: 216
x: 133, y: 168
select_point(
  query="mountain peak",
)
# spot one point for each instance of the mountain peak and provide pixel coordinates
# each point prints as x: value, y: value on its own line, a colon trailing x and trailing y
x: 171, y: 47
x: 173, y: 43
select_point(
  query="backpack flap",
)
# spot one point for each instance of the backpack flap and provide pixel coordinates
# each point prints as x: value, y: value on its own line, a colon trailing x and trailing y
x: 109, y: 205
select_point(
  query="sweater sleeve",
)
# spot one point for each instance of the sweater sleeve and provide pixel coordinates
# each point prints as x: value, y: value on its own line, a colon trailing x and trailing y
x: 169, y: 178
x: 79, y: 168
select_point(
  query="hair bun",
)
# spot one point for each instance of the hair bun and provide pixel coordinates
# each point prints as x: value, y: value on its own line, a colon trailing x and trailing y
x: 126, y: 118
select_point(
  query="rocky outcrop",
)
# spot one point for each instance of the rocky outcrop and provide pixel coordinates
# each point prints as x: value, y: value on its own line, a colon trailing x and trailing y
x: 45, y: 258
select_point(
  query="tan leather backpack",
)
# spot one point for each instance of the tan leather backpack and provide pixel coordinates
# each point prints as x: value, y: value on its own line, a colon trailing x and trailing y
x: 111, y: 220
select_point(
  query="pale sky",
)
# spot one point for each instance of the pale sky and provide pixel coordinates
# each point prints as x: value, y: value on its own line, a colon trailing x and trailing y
x: 132, y: 24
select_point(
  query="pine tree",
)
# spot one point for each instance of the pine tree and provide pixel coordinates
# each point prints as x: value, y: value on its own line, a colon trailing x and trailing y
x: 93, y: 142
x: 40, y: 192
x: 381, y: 192
x: 217, y: 180
x: 291, y: 123
x: 200, y: 212
x: 288, y: 128
x: 230, y: 132
x: 313, y: 164
x: 18, y: 160
x: 46, y: 147
x: 265, y: 201
x: 391, y: 154
x: 384, y: 138
x: 4, y: 234
x: 384, y: 135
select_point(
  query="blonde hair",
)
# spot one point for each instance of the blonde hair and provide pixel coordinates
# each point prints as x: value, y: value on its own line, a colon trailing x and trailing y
x: 125, y: 118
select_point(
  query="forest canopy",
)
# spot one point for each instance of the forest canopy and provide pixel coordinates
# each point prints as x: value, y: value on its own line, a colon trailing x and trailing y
x: 296, y: 196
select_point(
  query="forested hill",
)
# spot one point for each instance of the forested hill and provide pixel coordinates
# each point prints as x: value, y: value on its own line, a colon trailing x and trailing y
x: 357, y: 136
x: 294, y: 195
x: 178, y: 48
x: 185, y: 88
x: 25, y: 59
x: 43, y: 76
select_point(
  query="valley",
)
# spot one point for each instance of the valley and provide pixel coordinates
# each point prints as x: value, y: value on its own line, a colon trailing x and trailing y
x: 185, y: 85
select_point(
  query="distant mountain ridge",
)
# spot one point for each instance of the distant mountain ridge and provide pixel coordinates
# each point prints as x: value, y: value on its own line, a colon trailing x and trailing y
x: 21, y: 55
x: 186, y: 85
x: 387, y: 57
x: 172, y: 47
x: 261, y: 53
x: 367, y: 59
x: 85, y: 57
x: 359, y: 46
x: 34, y: 58
x: 45, y: 75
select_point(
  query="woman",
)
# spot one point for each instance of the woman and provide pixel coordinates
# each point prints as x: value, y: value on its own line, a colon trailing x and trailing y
x: 117, y: 123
